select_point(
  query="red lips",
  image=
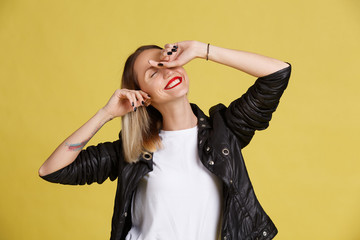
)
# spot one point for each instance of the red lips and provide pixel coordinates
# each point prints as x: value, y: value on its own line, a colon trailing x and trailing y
x: 171, y: 84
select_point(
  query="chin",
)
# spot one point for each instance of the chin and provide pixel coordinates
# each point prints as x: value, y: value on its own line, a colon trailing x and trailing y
x: 181, y: 93
x: 180, y: 96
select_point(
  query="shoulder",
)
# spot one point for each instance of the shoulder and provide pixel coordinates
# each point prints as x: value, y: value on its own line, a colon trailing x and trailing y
x: 218, y: 109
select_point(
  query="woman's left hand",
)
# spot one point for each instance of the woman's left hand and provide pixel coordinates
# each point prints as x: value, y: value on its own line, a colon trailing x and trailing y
x: 178, y: 54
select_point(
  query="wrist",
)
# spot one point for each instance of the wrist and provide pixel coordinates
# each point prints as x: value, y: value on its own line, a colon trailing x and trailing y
x: 104, y: 115
x: 201, y: 49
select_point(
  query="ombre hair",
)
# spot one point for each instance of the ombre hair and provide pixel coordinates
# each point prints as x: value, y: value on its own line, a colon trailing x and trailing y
x: 140, y: 129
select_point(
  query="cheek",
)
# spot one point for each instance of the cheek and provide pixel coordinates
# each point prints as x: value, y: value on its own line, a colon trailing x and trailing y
x: 143, y: 85
x: 147, y: 87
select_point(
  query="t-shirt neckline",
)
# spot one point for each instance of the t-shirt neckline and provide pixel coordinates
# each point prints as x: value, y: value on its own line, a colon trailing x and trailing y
x: 174, y: 132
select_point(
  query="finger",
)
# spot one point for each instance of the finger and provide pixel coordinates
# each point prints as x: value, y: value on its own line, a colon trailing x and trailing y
x: 164, y: 55
x: 132, y: 98
x: 140, y: 99
x: 144, y: 94
x: 122, y: 94
x: 156, y: 64
x: 125, y: 96
x: 147, y: 102
x: 171, y: 45
x: 146, y: 98
x: 170, y: 64
x: 169, y: 52
x: 170, y: 48
x: 173, y: 55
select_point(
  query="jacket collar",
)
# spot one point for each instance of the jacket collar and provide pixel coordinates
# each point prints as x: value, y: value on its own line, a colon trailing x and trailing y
x: 203, y: 120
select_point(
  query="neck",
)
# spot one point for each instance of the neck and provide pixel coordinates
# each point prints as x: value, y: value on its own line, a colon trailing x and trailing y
x: 177, y: 115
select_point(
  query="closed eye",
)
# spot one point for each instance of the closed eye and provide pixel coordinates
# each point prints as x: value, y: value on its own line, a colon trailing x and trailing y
x: 153, y: 74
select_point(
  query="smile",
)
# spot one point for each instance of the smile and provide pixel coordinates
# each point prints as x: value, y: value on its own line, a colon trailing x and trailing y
x: 173, y: 83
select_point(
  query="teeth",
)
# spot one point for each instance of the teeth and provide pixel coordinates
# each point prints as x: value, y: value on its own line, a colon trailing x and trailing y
x: 173, y: 83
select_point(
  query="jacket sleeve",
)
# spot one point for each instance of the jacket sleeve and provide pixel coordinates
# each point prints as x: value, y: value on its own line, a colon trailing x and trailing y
x: 94, y: 164
x: 253, y: 110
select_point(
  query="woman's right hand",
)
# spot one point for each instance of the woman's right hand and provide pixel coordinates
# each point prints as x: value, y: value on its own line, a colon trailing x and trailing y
x: 124, y: 101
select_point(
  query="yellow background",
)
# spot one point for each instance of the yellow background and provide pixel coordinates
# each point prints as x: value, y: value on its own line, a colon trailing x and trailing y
x: 60, y: 61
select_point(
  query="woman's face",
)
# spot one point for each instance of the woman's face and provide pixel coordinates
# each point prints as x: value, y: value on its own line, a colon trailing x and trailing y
x: 162, y: 84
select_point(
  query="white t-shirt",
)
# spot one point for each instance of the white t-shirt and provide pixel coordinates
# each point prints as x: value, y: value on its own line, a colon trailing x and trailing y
x: 180, y: 199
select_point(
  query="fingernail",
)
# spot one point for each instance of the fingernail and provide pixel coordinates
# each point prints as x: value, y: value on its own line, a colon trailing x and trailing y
x: 169, y: 53
x: 132, y: 103
x: 174, y: 50
x: 175, y: 46
x: 142, y: 102
x: 134, y: 109
x: 160, y: 64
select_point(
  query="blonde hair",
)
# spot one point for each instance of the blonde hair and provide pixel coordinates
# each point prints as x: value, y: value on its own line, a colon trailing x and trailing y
x: 140, y: 129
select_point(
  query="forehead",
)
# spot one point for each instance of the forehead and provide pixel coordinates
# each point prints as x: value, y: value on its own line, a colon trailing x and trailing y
x: 142, y: 61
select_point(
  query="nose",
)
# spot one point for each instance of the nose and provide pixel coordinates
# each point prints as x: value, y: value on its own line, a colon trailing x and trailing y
x: 168, y: 72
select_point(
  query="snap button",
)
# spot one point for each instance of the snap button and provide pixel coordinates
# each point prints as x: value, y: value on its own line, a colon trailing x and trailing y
x: 211, y: 162
x: 147, y: 156
x: 201, y: 119
x: 265, y: 233
x: 203, y: 125
x: 225, y: 151
x: 225, y: 238
x: 125, y: 214
x: 200, y: 142
x: 231, y: 181
x: 207, y: 149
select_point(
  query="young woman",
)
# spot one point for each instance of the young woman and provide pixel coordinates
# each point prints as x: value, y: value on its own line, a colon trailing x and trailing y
x: 181, y: 174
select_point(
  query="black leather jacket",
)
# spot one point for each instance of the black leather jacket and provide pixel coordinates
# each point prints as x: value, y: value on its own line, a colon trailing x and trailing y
x: 220, y: 140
